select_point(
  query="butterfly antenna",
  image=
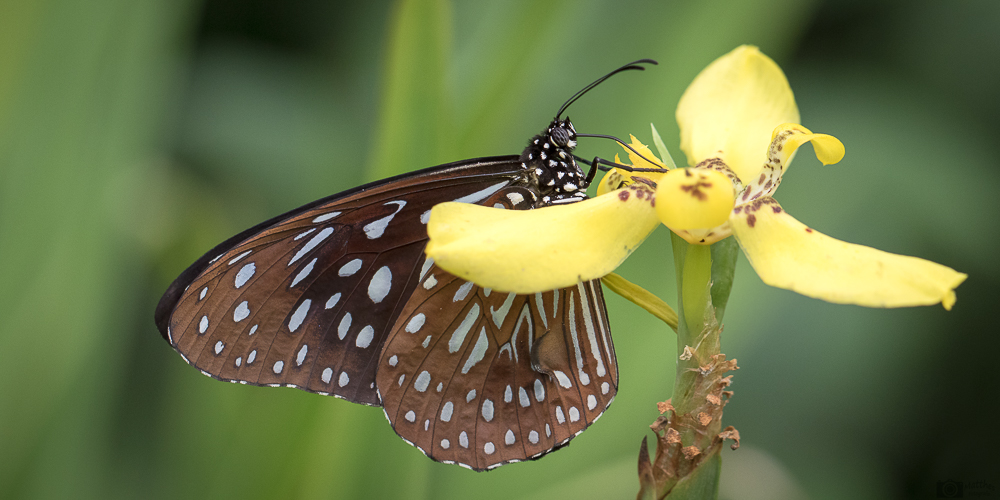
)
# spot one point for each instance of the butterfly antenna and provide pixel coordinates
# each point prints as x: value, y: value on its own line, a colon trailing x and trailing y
x: 631, y: 65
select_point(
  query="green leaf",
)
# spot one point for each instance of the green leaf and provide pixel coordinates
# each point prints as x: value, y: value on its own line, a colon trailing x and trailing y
x: 723, y: 268
x: 415, y: 117
x: 665, y: 156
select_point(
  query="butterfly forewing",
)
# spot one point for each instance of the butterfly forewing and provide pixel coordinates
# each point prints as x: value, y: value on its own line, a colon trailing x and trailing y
x: 482, y: 378
x: 307, y: 298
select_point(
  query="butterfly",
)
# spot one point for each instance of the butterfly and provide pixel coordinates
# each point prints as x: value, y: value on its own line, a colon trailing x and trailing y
x: 338, y: 298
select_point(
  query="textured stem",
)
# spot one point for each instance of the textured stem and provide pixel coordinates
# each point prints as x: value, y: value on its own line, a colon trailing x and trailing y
x: 687, y: 461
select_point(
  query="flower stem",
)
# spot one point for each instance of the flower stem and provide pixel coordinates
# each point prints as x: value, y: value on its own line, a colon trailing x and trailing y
x: 688, y: 460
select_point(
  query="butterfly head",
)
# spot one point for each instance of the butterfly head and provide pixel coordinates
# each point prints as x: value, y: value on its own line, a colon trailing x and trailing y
x: 550, y: 163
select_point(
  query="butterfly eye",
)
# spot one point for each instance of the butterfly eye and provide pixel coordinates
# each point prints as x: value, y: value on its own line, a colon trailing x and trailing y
x: 560, y: 136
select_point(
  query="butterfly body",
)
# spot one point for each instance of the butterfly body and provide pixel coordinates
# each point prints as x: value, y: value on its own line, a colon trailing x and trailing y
x: 338, y: 298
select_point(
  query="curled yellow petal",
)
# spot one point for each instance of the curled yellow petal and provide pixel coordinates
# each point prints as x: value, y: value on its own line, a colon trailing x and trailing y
x: 731, y: 108
x: 787, y: 254
x: 787, y: 138
x: 543, y: 249
x: 693, y: 198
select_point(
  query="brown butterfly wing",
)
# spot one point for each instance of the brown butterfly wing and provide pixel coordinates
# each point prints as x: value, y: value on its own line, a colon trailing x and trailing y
x: 483, y: 378
x: 307, y: 298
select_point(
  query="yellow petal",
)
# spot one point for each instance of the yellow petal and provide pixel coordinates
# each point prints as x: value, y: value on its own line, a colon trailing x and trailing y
x: 638, y: 161
x: 787, y: 137
x: 690, y: 198
x: 785, y: 140
x: 787, y: 254
x: 616, y: 178
x: 543, y: 249
x: 730, y: 109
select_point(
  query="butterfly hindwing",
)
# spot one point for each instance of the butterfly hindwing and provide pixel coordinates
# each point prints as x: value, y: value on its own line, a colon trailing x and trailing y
x: 482, y: 378
x: 307, y: 298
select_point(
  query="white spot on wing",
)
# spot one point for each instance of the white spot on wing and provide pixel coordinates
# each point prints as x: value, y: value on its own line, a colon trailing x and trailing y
x: 515, y: 198
x: 541, y: 309
x: 533, y: 437
x: 299, y: 315
x: 425, y: 217
x: 470, y: 396
x: 482, y: 194
x: 458, y: 337
x: 463, y: 439
x: 522, y: 396
x: 462, y: 292
x: 311, y: 244
x: 574, y: 414
x: 204, y: 291
x: 344, y: 379
x: 301, y: 356
x: 563, y: 379
x: 393, y: 360
x: 445, y: 444
x: 327, y: 375
x: 219, y: 346
x: 278, y: 366
x: 501, y: 314
x: 430, y: 283
x: 422, y: 381
x: 583, y: 377
x: 380, y: 284
x: 588, y: 323
x: 489, y: 448
x: 375, y: 229
x: 350, y: 268
x: 304, y: 272
x: 303, y: 234
x: 539, y: 391
x: 410, y: 416
x: 245, y: 273
x: 591, y: 402
x: 345, y: 324
x: 605, y: 388
x: 238, y: 257
x: 446, y: 411
x: 241, y: 312
x: 508, y: 438
x: 415, y: 323
x: 365, y: 337
x: 478, y: 351
x: 252, y: 356
x: 326, y: 217
x: 508, y: 395
x: 332, y: 301
x: 428, y: 262
x: 488, y: 410
x: 560, y: 417
x: 203, y: 324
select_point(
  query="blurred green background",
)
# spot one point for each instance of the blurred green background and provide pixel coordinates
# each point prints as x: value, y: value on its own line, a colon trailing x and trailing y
x: 136, y: 135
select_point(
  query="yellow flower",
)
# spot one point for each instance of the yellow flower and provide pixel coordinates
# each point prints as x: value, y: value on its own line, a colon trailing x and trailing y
x: 738, y: 123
